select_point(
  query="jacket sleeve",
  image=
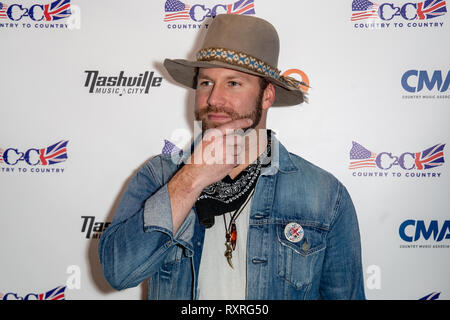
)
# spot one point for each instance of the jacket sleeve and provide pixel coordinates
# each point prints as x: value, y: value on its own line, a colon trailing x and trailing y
x: 342, y: 274
x: 135, y: 244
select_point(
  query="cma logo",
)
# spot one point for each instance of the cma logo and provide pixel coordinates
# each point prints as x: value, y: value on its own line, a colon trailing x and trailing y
x: 413, y: 230
x: 417, y: 80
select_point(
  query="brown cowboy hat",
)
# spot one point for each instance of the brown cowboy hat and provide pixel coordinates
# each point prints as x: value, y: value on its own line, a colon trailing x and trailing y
x: 244, y: 43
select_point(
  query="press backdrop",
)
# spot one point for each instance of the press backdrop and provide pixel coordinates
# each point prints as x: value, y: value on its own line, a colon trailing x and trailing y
x: 85, y: 103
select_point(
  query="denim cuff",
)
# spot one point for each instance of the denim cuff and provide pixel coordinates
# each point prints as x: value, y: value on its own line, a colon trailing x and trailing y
x: 158, y: 212
x: 158, y: 217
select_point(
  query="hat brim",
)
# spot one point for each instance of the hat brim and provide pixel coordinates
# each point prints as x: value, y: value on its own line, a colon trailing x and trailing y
x: 185, y: 72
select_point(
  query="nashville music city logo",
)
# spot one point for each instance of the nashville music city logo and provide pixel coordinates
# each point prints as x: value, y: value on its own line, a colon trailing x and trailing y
x: 34, y: 159
x: 179, y: 15
x: 92, y: 228
x: 370, y: 15
x: 59, y: 14
x: 121, y: 84
x: 365, y: 163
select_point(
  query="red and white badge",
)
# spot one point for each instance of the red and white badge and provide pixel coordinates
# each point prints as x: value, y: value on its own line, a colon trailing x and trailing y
x: 293, y: 232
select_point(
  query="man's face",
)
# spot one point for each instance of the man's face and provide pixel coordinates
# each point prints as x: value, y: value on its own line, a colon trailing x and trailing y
x: 224, y: 95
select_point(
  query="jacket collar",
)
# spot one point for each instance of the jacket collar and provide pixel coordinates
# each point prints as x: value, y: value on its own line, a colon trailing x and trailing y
x: 281, y: 159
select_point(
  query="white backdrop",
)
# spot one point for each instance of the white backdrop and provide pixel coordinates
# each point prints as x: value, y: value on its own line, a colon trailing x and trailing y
x: 379, y: 77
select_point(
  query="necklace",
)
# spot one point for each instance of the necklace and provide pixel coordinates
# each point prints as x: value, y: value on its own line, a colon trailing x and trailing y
x: 228, y: 195
x: 231, y: 230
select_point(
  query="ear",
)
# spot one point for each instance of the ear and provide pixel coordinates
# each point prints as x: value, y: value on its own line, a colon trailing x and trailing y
x: 268, y: 97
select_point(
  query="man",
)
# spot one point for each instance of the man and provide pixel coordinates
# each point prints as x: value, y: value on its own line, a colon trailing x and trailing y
x: 238, y: 217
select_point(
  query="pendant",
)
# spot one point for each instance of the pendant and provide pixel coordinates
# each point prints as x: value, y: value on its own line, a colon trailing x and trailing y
x: 229, y: 251
x: 233, y: 235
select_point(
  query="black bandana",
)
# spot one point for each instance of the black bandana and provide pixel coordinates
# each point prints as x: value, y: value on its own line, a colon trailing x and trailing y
x: 229, y: 194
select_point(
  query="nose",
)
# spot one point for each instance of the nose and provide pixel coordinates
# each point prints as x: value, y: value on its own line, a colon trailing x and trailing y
x: 216, y: 96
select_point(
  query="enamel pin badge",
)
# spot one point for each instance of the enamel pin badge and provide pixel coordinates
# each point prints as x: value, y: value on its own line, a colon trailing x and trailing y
x: 293, y: 232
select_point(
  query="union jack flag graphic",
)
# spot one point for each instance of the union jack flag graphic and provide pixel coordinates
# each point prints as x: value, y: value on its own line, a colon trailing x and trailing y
x: 55, y: 294
x: 56, y: 153
x: 176, y: 10
x: 431, y: 9
x: 362, y: 158
x: 56, y: 10
x: 242, y: 7
x: 169, y: 148
x: 364, y: 9
x: 3, y: 8
x: 430, y: 158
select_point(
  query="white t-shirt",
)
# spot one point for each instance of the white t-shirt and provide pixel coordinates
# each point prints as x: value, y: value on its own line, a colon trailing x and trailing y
x: 216, y: 279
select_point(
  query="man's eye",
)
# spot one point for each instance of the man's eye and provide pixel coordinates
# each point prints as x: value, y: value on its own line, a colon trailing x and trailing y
x: 233, y: 84
x: 205, y: 83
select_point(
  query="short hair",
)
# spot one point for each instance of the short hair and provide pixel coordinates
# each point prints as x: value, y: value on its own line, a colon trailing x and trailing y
x: 263, y: 82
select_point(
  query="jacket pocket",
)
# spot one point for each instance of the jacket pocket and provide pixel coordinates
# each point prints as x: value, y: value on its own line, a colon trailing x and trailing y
x: 297, y: 262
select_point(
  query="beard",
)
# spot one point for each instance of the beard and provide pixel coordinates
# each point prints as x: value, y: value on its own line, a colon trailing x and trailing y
x: 255, y: 115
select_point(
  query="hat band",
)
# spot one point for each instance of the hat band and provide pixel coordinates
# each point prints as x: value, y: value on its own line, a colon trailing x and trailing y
x: 240, y: 59
x: 247, y: 61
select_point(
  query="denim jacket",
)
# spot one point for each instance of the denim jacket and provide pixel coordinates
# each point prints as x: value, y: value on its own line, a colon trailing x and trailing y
x: 139, y: 244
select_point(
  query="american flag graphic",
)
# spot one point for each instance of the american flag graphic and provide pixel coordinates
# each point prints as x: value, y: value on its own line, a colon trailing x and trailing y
x: 169, y: 148
x: 55, y: 294
x: 430, y: 158
x: 54, y: 154
x: 241, y: 7
x: 56, y: 10
x: 361, y: 157
x: 431, y: 9
x: 364, y: 9
x: 3, y: 8
x: 1, y: 155
x: 176, y: 10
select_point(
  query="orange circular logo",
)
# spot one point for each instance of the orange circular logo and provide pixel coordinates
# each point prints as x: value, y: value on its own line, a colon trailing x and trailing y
x: 303, y: 77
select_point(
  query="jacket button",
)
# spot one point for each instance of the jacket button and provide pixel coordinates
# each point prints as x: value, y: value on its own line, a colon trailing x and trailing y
x: 258, y: 261
x: 259, y: 216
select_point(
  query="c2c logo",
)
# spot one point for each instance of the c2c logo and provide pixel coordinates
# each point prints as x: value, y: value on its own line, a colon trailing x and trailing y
x: 413, y: 11
x: 53, y: 154
x: 56, y: 10
x: 12, y: 156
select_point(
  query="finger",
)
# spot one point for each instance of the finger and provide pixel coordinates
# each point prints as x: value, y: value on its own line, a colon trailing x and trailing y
x: 232, y: 150
x: 211, y: 134
x: 234, y: 125
x: 227, y: 128
x: 234, y: 139
x: 233, y: 155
